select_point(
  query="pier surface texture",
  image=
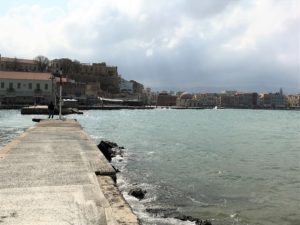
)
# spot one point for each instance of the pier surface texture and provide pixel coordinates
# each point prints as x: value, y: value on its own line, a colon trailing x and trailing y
x: 48, y: 176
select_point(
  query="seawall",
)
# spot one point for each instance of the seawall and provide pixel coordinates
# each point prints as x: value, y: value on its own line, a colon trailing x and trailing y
x: 53, y: 173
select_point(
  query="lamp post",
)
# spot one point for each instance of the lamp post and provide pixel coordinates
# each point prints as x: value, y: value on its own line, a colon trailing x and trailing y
x: 60, y: 93
x: 52, y: 89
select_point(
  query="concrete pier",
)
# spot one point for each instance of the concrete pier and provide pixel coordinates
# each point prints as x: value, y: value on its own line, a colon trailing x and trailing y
x: 48, y: 177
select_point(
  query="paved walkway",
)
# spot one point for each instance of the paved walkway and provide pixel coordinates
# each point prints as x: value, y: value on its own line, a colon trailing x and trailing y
x: 48, y: 177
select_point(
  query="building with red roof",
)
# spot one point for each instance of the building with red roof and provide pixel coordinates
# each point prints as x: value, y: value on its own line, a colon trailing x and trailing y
x: 26, y: 87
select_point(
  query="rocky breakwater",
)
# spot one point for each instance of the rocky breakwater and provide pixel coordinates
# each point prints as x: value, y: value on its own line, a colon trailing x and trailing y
x: 111, y: 150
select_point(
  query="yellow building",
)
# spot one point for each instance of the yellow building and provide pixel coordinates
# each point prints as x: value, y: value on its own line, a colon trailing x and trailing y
x: 293, y: 100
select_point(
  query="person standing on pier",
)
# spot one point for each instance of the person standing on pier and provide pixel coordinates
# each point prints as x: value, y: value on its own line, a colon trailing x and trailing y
x: 51, y: 110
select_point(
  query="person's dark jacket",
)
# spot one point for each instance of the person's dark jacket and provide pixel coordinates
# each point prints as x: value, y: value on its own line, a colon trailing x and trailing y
x: 51, y: 106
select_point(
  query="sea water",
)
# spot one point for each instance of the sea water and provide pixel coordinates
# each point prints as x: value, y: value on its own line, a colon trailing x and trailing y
x: 12, y: 123
x: 227, y: 166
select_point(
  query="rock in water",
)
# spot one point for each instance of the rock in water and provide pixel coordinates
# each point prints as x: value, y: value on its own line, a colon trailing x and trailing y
x: 105, y: 148
x: 110, y: 149
x: 138, y: 193
x: 193, y: 219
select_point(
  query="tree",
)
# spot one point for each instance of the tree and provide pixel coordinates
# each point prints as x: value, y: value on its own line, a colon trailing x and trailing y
x: 66, y: 66
x: 42, y: 63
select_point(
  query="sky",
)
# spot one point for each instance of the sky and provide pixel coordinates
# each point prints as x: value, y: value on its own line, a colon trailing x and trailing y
x: 180, y: 45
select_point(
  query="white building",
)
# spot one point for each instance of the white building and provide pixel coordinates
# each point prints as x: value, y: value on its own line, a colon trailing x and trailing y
x: 26, y: 87
x: 126, y: 86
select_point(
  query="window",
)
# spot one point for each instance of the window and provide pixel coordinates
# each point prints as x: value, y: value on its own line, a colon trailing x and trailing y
x: 19, y: 85
x: 2, y: 85
x: 11, y: 85
x: 46, y: 86
x: 30, y: 86
x: 38, y: 86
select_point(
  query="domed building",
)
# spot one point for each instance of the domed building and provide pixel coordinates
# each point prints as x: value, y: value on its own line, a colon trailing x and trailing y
x: 185, y: 100
x: 186, y: 96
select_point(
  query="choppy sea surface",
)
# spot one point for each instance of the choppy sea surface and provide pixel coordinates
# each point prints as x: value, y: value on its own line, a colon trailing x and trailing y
x: 229, y: 166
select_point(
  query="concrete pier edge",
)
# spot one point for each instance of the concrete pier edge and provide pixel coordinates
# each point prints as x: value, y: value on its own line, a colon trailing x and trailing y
x: 53, y: 173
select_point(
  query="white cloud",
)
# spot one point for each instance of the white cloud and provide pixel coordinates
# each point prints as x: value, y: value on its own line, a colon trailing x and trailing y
x: 262, y: 20
x: 202, y: 41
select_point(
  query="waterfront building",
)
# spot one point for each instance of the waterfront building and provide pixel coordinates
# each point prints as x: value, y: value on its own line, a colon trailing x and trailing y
x: 245, y: 100
x: 71, y: 89
x: 226, y: 100
x: 185, y: 100
x: 165, y: 99
x: 293, y: 101
x: 63, y: 65
x: 138, y: 88
x: 86, y: 68
x: 99, y: 68
x: 264, y: 100
x: 238, y: 99
x: 93, y: 89
x: 26, y: 87
x: 92, y: 92
x: 108, y: 77
x: 278, y: 100
x: 207, y: 99
x: 101, y: 73
x: 16, y: 64
x: 151, y: 97
x: 67, y: 65
x: 126, y: 86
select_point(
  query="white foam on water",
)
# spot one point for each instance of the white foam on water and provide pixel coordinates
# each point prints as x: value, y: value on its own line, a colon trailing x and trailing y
x: 96, y: 137
x: 197, y: 201
x: 148, y: 220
